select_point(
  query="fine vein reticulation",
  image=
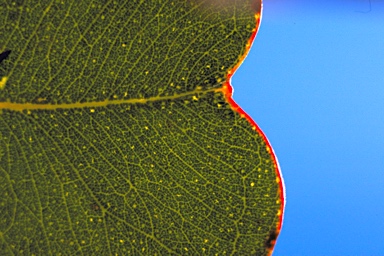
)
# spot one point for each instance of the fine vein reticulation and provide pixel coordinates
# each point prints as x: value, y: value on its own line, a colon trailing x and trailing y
x: 118, y: 134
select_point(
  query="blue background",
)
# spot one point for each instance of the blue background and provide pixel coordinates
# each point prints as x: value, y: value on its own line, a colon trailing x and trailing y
x: 314, y: 82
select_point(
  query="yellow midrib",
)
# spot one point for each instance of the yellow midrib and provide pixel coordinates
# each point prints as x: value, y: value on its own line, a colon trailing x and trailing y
x: 33, y: 106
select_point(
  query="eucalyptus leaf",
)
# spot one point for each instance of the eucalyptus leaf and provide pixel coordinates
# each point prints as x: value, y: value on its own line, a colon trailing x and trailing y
x: 118, y: 135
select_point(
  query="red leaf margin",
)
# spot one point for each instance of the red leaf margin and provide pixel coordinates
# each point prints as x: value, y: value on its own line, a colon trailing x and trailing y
x: 227, y: 90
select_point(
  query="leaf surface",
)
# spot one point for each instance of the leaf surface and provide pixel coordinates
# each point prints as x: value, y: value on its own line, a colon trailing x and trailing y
x: 118, y: 134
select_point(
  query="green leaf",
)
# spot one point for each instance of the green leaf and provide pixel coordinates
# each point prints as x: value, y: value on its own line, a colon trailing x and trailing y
x: 118, y: 134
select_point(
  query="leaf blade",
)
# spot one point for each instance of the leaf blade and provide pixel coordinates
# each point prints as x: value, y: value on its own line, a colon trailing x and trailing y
x: 125, y: 178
